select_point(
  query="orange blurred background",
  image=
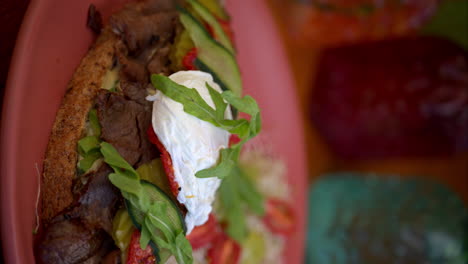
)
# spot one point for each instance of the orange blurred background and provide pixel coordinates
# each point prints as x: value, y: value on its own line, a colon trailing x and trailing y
x: 307, y: 32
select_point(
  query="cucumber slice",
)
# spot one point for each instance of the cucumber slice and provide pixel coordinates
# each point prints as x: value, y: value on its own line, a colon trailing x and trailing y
x: 215, y: 7
x: 153, y: 172
x: 213, y: 22
x: 253, y: 248
x: 155, y: 194
x: 217, y: 59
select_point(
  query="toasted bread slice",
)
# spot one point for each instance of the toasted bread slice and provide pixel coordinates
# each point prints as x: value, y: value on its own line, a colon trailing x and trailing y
x: 61, y: 155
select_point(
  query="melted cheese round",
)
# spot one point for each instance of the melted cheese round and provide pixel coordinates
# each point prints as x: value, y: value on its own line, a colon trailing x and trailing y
x: 193, y: 145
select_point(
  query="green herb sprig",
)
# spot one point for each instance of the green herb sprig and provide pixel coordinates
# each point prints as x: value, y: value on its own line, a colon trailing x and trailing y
x: 126, y: 178
x: 194, y: 105
x: 88, y: 147
x: 237, y: 192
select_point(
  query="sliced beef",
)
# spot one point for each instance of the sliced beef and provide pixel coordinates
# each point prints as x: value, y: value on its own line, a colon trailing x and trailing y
x: 138, y: 30
x: 137, y: 92
x: 100, y: 256
x: 159, y: 63
x: 69, y: 242
x: 83, y: 230
x: 152, y: 6
x: 112, y: 258
x: 147, y: 30
x: 97, y: 205
x: 124, y: 124
x: 131, y: 68
x: 80, y: 234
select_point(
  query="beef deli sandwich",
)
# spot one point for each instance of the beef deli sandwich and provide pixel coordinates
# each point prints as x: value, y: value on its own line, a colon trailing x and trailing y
x: 146, y: 134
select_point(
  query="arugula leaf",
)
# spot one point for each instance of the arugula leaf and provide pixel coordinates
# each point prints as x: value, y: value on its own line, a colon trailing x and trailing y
x: 194, y: 104
x: 224, y: 167
x: 145, y: 237
x: 176, y: 242
x: 88, y: 147
x: 255, y: 124
x: 239, y: 127
x: 88, y: 144
x: 157, y: 226
x: 113, y: 158
x: 232, y: 208
x: 246, y: 104
x: 184, y: 247
x: 237, y: 193
x: 249, y: 194
x: 189, y: 97
x: 94, y: 123
x: 218, y: 102
x: 125, y: 184
x: 88, y: 160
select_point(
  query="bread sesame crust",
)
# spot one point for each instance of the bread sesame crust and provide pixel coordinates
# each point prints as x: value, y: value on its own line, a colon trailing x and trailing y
x: 61, y: 154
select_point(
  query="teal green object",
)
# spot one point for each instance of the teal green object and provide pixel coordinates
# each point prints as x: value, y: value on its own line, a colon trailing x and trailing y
x: 365, y: 219
x: 450, y: 21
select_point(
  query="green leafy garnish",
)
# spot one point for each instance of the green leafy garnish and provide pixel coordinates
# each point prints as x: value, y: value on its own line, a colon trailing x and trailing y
x: 87, y: 162
x: 88, y: 147
x: 88, y: 144
x: 194, y: 105
x: 237, y: 192
x: 94, y: 123
x: 156, y: 220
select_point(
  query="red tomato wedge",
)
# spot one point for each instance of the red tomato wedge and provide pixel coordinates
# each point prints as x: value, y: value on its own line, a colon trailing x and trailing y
x: 204, y: 234
x: 279, y: 217
x: 166, y: 160
x: 137, y: 255
x: 234, y: 139
x: 189, y: 59
x: 224, y: 251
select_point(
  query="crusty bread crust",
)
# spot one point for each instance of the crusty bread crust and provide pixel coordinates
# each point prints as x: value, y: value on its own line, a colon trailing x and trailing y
x: 61, y: 155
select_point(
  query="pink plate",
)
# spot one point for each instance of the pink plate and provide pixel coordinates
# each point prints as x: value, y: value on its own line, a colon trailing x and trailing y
x: 52, y: 41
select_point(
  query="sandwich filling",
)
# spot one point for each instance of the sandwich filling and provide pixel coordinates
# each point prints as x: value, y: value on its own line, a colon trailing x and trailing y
x: 156, y: 151
x: 194, y: 151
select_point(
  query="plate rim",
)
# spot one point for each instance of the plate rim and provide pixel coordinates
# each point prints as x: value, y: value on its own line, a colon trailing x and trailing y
x: 9, y: 124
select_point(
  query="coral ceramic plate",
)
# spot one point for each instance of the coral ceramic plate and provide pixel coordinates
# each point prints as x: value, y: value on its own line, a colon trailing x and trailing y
x: 52, y: 41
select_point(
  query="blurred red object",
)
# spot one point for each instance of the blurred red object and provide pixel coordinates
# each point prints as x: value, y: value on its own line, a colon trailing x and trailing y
x: 205, y: 234
x: 392, y: 98
x: 330, y: 22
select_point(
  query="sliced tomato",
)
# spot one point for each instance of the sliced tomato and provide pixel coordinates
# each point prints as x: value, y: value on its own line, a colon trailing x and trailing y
x: 234, y: 139
x: 279, y: 217
x: 224, y: 250
x: 210, y: 30
x: 205, y: 234
x: 165, y: 159
x: 189, y: 59
x: 137, y: 255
